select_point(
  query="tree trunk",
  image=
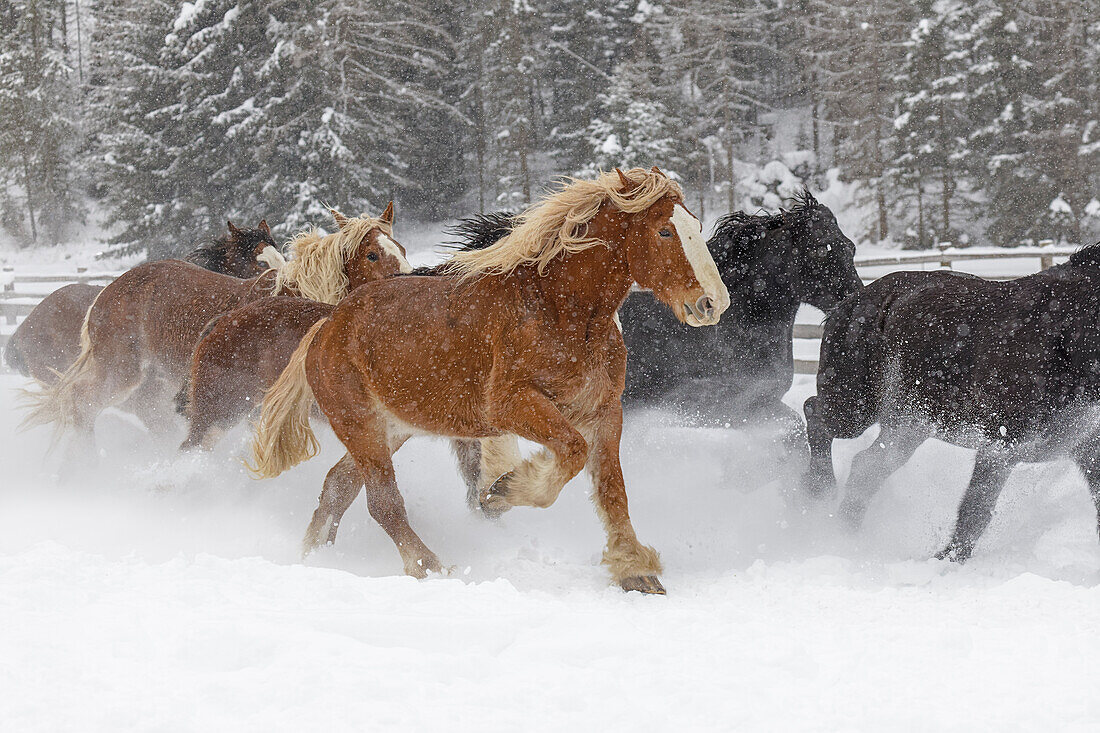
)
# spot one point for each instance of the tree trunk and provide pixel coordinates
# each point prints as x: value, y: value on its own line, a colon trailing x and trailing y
x: 30, y: 196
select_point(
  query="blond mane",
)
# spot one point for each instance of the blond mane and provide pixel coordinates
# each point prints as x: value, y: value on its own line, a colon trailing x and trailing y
x: 558, y: 223
x: 317, y: 264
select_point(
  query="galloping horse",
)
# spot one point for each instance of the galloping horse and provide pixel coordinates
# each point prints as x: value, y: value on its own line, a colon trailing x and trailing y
x: 518, y: 339
x: 1011, y: 369
x: 47, y: 342
x: 142, y: 328
x: 737, y: 372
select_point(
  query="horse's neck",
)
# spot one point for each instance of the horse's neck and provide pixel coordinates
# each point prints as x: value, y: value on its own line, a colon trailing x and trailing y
x: 580, y: 287
x: 263, y: 285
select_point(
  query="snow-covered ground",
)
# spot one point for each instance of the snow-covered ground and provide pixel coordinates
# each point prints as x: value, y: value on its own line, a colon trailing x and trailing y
x: 164, y: 593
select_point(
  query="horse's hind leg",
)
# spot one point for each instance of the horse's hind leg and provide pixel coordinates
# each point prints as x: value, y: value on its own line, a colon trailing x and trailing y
x: 991, y: 471
x: 871, y: 467
x: 342, y: 485
x: 363, y: 431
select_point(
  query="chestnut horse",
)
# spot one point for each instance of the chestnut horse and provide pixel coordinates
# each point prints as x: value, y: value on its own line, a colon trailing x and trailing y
x: 142, y: 328
x: 518, y: 339
x: 47, y: 342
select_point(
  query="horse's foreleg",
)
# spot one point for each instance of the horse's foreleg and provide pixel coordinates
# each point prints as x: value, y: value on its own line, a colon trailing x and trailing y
x: 633, y: 565
x: 536, y: 481
x: 991, y: 471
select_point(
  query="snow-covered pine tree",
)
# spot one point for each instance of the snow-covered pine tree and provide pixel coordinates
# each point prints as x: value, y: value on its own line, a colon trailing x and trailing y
x: 585, y: 43
x: 633, y: 127
x: 861, y: 46
x: 514, y: 72
x: 929, y: 149
x: 39, y: 116
x: 720, y: 49
x: 1040, y: 146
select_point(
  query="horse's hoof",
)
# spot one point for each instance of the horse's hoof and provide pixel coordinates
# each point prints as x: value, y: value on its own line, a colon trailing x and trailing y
x: 648, y: 584
x: 494, y: 501
x: 952, y: 554
x: 422, y: 566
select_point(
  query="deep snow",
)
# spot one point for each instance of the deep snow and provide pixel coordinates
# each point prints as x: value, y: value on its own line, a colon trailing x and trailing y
x: 164, y: 593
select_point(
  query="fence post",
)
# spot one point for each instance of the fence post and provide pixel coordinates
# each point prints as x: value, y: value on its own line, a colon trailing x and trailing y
x: 9, y: 286
x: 1046, y: 259
x: 945, y: 261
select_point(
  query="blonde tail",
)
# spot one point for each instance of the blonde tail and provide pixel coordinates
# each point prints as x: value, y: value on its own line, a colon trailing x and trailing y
x: 283, y: 436
x: 56, y: 403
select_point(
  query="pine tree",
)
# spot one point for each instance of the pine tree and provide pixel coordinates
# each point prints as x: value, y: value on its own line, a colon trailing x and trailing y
x: 39, y: 132
x: 931, y: 131
x: 633, y: 127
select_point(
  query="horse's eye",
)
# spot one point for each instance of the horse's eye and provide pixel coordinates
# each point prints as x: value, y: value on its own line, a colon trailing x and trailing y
x: 373, y: 257
x: 665, y: 234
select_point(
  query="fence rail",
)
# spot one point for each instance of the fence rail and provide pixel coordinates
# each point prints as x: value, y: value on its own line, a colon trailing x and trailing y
x: 15, y: 304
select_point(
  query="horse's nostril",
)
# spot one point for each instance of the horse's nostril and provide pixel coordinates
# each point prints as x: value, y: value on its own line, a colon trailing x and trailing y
x: 705, y: 305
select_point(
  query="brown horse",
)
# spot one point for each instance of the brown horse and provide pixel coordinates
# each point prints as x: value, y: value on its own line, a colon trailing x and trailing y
x: 518, y: 340
x: 47, y: 342
x: 142, y: 328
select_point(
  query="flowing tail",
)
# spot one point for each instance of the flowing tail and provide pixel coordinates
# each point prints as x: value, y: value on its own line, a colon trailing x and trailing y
x: 284, y: 437
x: 56, y: 403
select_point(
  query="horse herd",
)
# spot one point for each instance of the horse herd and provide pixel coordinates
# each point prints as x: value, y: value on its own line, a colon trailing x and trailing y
x: 524, y: 333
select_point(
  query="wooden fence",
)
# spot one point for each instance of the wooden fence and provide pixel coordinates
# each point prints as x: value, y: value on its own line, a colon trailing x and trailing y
x: 16, y: 303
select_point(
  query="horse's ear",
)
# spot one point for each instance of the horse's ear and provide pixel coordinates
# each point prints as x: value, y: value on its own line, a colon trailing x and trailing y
x: 340, y: 219
x: 232, y: 229
x: 624, y: 180
x: 263, y: 227
x: 808, y: 197
x: 657, y: 170
x: 387, y: 215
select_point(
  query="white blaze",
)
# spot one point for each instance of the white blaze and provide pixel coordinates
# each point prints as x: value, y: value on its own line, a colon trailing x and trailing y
x: 388, y: 245
x: 690, y: 232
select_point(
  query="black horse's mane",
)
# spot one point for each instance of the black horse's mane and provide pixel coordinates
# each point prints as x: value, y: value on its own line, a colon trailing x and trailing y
x: 742, y: 228
x: 1087, y: 256
x: 211, y: 253
x: 480, y: 230
x: 472, y: 233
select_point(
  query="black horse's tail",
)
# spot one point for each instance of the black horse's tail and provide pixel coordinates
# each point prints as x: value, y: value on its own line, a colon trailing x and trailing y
x: 852, y: 372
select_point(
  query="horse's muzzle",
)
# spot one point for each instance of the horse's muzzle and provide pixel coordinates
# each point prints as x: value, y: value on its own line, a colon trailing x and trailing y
x: 704, y: 311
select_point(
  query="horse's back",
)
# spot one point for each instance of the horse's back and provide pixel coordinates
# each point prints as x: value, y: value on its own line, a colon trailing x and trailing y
x: 159, y: 309
x: 47, y: 342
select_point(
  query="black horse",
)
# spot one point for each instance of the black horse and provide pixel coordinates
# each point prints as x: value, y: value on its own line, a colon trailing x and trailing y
x: 737, y: 372
x: 1011, y: 369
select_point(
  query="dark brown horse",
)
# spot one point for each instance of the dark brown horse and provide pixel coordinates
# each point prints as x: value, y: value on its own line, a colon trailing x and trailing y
x: 142, y: 328
x: 238, y: 357
x: 47, y: 342
x: 520, y: 340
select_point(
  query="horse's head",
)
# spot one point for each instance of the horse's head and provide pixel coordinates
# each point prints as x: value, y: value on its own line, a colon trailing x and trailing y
x: 667, y: 254
x: 824, y: 271
x: 374, y: 253
x: 248, y: 252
